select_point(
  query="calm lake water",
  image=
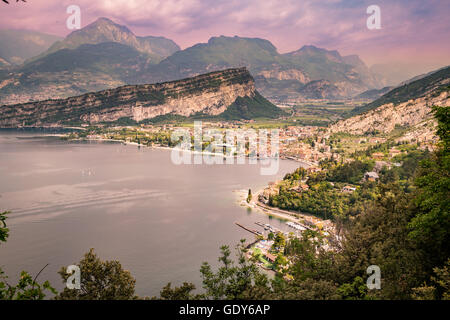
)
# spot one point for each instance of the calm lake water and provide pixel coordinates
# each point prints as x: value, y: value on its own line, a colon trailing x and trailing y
x: 160, y: 220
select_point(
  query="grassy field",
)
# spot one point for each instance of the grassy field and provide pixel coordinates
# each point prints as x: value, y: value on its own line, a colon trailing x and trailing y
x: 318, y: 113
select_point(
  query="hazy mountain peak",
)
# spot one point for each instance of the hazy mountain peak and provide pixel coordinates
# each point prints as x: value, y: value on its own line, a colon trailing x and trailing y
x: 104, y: 20
x: 18, y: 45
x: 101, y: 30
x: 106, y: 30
x: 103, y: 24
x: 354, y: 60
x: 224, y: 40
x: 312, y: 51
x: 310, y: 47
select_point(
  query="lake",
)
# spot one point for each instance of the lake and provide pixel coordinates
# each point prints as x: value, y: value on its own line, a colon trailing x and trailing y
x: 160, y: 220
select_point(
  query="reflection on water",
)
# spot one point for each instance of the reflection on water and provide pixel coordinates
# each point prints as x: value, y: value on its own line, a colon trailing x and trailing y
x: 159, y: 219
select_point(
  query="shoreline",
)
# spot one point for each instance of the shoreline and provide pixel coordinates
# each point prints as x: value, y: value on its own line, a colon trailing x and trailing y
x: 285, y: 215
x: 297, y: 217
x: 183, y: 150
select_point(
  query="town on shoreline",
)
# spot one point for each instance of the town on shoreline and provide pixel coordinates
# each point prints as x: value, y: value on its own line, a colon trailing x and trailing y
x: 335, y: 170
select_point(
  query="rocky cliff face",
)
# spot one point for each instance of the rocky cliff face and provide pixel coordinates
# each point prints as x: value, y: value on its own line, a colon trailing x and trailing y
x: 289, y: 74
x: 208, y: 94
x: 320, y: 89
x: 414, y: 114
x: 88, y: 60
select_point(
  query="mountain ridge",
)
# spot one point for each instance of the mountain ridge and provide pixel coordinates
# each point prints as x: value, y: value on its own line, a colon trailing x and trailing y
x: 407, y: 107
x: 210, y: 94
x: 411, y: 90
x: 280, y: 77
x: 17, y: 46
x: 105, y: 30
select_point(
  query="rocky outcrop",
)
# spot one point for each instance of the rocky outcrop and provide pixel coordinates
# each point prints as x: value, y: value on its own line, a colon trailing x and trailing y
x: 209, y: 94
x: 289, y: 74
x: 105, y: 55
x: 320, y: 89
x: 414, y: 115
x: 407, y: 107
x: 430, y: 85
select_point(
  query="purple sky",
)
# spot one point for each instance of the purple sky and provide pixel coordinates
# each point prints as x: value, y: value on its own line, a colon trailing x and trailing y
x: 413, y: 31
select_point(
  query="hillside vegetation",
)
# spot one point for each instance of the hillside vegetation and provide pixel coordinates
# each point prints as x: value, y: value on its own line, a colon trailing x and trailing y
x: 438, y: 81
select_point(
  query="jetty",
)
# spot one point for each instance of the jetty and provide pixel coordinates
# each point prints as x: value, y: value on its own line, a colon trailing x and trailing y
x: 255, y: 232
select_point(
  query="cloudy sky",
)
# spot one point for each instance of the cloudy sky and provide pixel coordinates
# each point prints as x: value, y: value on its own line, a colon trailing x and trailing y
x: 412, y: 31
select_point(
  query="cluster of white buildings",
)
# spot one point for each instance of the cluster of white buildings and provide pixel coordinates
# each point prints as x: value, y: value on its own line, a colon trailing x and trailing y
x: 296, y: 226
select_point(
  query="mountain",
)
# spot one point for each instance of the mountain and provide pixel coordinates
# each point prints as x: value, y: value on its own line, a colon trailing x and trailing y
x: 4, y: 63
x: 69, y: 72
x: 373, y: 94
x: 394, y: 74
x: 320, y: 89
x: 322, y: 64
x: 407, y: 107
x: 363, y: 71
x: 434, y: 82
x: 209, y: 94
x: 220, y: 52
x: 105, y: 30
x: 420, y: 76
x: 308, y: 73
x: 251, y: 107
x: 99, y: 56
x: 278, y: 76
x: 16, y: 46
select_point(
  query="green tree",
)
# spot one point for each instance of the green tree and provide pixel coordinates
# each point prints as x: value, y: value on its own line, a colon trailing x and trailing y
x: 26, y: 289
x: 379, y: 236
x: 100, y: 280
x: 430, y: 228
x: 184, y: 292
x: 249, y: 196
x: 279, y: 242
x: 280, y: 262
x: 440, y: 285
x: 4, y: 231
x: 234, y: 280
x: 355, y: 290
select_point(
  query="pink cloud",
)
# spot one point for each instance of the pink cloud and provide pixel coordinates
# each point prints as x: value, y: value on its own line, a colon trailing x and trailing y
x: 413, y: 28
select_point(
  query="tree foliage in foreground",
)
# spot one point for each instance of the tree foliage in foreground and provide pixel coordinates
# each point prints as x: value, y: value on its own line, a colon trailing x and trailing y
x: 100, y: 280
x: 405, y: 233
x: 27, y: 287
x: 4, y: 231
x: 431, y: 225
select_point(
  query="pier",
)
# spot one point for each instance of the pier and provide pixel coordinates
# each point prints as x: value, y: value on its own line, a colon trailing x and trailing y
x: 255, y: 232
